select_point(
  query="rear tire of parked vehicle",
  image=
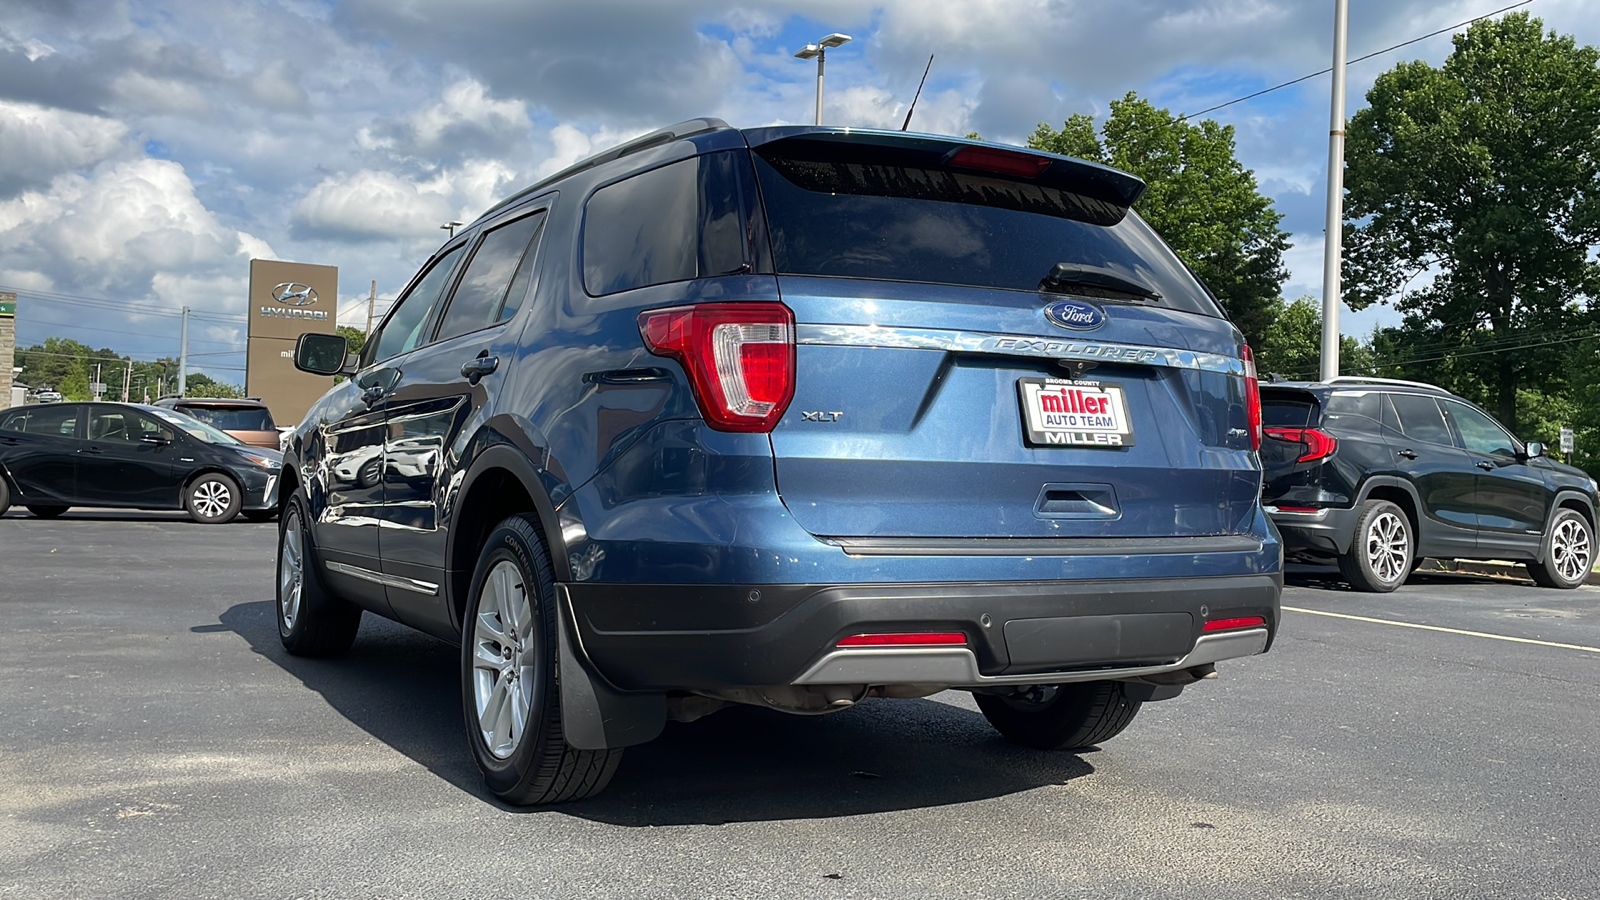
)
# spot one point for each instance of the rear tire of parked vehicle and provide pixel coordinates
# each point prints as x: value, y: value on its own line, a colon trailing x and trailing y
x: 5, y: 495
x: 510, y: 691
x: 213, y: 499
x: 1381, y: 552
x: 1568, y: 552
x: 312, y: 621
x: 47, y: 512
x: 1061, y: 717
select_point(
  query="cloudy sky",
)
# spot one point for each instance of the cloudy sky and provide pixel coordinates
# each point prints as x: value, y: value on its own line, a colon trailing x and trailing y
x: 150, y: 148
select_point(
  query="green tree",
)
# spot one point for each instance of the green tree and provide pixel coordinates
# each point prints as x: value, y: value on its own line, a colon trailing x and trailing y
x: 1292, y: 348
x: 1486, y: 172
x: 354, y: 337
x: 199, y: 384
x: 1200, y: 199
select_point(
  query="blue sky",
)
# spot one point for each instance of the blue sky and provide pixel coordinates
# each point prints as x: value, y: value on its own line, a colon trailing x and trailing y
x: 152, y: 148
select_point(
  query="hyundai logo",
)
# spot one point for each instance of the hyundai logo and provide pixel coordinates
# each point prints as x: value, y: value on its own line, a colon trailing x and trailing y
x: 1075, y: 314
x: 293, y: 293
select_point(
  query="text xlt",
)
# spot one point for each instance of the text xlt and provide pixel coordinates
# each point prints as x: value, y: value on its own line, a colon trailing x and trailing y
x: 790, y: 417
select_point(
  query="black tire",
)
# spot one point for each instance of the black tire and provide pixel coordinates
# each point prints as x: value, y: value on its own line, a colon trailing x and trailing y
x: 511, y: 657
x: 1568, y: 552
x: 47, y: 512
x: 1066, y: 717
x: 1382, y: 549
x: 5, y: 495
x: 316, y: 622
x: 213, y: 499
x: 259, y: 515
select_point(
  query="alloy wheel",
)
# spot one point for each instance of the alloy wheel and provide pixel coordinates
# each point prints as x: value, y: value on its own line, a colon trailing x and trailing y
x: 1571, y: 549
x: 505, y: 660
x: 212, y: 498
x: 1388, y: 547
x: 291, y: 571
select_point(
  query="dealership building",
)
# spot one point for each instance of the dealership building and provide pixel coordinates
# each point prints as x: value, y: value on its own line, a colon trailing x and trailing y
x: 287, y: 300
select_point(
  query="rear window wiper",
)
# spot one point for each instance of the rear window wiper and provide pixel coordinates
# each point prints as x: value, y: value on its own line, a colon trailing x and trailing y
x: 1067, y: 275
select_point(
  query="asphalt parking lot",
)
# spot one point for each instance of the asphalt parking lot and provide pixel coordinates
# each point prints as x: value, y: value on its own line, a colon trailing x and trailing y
x: 157, y: 742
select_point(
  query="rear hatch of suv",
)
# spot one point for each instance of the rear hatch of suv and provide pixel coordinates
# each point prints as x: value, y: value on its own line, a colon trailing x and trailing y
x: 990, y: 345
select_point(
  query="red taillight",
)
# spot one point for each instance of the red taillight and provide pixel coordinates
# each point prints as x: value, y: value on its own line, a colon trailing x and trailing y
x: 1235, y: 624
x: 739, y: 356
x: 1252, y: 398
x: 1006, y: 162
x: 1319, y: 444
x: 908, y: 639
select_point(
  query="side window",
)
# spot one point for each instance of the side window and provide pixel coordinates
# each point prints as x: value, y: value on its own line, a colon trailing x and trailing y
x: 402, y: 331
x: 679, y: 222
x: 51, y: 421
x: 481, y: 296
x: 112, y: 425
x: 1420, y: 419
x: 1357, y: 412
x: 1479, y: 433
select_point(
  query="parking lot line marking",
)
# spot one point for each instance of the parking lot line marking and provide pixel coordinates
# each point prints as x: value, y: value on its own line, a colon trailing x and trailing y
x: 1481, y: 634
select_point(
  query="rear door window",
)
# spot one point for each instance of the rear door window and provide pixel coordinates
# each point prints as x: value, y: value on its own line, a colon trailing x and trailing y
x: 1359, y: 413
x: 232, y: 418
x: 482, y: 294
x: 837, y: 209
x: 49, y: 421
x: 679, y: 222
x: 402, y: 331
x: 1420, y: 419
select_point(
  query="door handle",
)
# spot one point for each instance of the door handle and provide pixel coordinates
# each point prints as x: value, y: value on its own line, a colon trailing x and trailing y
x: 472, y: 370
x: 1408, y: 454
x: 1485, y: 465
x: 92, y: 450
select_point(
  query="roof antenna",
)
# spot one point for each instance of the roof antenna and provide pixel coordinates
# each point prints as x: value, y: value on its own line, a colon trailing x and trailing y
x: 913, y: 107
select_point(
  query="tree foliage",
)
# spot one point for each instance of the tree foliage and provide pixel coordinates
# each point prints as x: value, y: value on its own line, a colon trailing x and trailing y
x: 69, y: 367
x: 1199, y: 198
x: 1484, y: 172
x: 1292, y: 348
x: 354, y: 337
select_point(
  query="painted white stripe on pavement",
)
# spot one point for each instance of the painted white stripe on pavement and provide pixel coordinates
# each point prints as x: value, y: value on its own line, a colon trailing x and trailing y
x: 1481, y: 634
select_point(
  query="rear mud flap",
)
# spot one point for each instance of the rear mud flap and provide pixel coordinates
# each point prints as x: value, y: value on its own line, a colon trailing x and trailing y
x: 595, y: 715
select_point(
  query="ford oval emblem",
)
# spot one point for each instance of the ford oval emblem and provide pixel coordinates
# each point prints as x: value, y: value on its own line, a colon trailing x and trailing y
x: 1075, y: 314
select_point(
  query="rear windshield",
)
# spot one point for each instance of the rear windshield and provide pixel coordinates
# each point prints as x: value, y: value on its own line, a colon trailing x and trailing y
x: 232, y: 418
x: 855, y: 211
x: 1293, y: 411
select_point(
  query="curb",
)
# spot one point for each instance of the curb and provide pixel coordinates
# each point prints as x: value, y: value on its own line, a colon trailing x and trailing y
x: 1494, y: 568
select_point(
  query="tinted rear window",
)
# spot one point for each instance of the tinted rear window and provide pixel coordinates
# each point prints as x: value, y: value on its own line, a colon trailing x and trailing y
x: 1356, y: 412
x: 856, y: 211
x: 231, y: 418
x: 1288, y: 412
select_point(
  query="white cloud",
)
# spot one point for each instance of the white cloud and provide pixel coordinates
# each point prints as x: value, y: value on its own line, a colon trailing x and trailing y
x: 466, y: 106
x: 149, y: 94
x: 371, y: 204
x: 40, y: 143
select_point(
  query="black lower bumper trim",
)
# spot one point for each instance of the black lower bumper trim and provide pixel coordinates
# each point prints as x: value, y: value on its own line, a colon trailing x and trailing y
x: 706, y: 637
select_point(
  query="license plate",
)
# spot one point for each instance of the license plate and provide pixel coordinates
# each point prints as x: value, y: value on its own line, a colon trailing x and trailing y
x: 1057, y: 412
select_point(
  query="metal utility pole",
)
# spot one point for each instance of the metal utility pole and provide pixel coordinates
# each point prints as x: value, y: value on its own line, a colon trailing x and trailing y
x: 819, y: 52
x: 183, y: 355
x: 1333, y: 244
x: 372, y: 299
x: 127, y: 378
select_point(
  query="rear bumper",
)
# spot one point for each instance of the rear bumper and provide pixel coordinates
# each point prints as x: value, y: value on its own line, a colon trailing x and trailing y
x: 1327, y: 531
x: 710, y: 637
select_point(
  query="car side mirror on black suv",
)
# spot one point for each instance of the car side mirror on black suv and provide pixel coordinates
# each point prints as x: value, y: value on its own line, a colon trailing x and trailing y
x: 323, y: 354
x: 1534, y: 450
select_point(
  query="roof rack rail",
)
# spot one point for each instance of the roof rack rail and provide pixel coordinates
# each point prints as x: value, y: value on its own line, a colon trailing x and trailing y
x: 1364, y: 379
x: 680, y: 131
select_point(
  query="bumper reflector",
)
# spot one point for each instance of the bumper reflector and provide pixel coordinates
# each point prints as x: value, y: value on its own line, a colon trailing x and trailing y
x: 909, y: 639
x: 1235, y: 624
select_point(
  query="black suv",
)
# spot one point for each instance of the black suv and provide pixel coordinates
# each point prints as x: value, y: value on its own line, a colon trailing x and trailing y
x: 1380, y: 474
x: 790, y: 417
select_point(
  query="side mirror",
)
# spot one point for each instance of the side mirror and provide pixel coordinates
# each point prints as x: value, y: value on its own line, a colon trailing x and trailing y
x: 322, y: 354
x: 1535, y: 449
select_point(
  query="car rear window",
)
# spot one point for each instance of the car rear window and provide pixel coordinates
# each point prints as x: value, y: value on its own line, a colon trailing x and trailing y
x: 837, y: 209
x: 1291, y: 411
x: 232, y: 418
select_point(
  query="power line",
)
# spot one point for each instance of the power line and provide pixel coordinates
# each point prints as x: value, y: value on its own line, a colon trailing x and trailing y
x: 135, y: 307
x: 1278, y: 87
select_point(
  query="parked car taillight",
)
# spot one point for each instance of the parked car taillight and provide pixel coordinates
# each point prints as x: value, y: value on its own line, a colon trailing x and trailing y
x: 739, y: 356
x: 1252, y: 398
x: 1319, y: 444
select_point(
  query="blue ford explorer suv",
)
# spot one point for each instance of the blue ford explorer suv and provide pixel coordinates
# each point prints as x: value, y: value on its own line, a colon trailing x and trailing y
x: 790, y: 417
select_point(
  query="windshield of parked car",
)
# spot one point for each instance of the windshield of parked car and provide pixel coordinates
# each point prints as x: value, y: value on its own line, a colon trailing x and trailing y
x: 843, y: 210
x: 196, y: 428
x: 233, y: 418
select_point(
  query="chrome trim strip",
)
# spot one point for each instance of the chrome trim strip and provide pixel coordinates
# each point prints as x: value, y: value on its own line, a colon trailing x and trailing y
x: 957, y: 667
x: 952, y: 341
x: 1177, y: 546
x: 394, y: 581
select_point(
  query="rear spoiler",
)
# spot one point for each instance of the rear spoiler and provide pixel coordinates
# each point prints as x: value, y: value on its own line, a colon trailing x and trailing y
x: 1063, y: 173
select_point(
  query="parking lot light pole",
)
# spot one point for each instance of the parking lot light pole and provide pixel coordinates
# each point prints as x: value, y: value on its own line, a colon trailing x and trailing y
x: 1332, y: 250
x: 819, y: 52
